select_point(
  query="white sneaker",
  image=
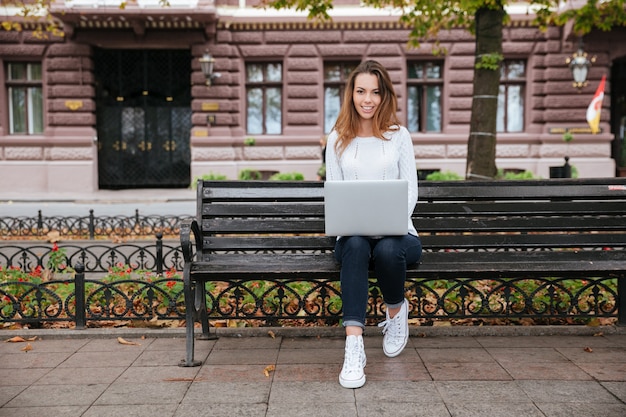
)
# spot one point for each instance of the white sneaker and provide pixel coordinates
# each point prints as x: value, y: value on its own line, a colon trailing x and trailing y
x: 396, y: 331
x: 352, y: 374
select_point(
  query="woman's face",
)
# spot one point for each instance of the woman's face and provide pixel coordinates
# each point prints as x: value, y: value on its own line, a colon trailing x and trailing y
x: 366, y: 95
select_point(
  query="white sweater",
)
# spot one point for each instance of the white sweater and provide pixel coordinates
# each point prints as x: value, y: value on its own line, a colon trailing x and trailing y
x: 371, y: 158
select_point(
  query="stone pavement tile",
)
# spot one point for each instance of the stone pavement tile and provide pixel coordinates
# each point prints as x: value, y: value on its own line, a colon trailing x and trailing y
x: 482, y: 392
x: 141, y: 393
x: 395, y: 371
x: 567, y: 391
x: 219, y: 410
x: 616, y: 388
x: 25, y: 360
x: 311, y: 393
x: 162, y: 358
x: 309, y: 356
x: 81, y: 376
x: 522, y: 355
x: 114, y: 357
x: 444, y: 342
x: 420, y: 392
x: 135, y: 410
x: 539, y: 341
x: 232, y: 373
x: 151, y: 374
x: 57, y: 395
x: 8, y: 392
x: 112, y: 344
x: 606, y: 371
x: 294, y: 409
x: 45, y: 345
x: 316, y: 342
x: 481, y: 371
x: 556, y: 409
x: 175, y: 344
x: 599, y: 355
x: 455, y: 355
x: 494, y: 409
x: 243, y: 356
x: 21, y: 376
x: 566, y: 371
x: 242, y: 392
x: 60, y: 411
x: 246, y: 343
x: 615, y: 340
x: 402, y: 409
x: 308, y: 372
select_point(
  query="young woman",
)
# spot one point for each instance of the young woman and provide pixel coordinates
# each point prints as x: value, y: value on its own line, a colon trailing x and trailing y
x: 368, y: 143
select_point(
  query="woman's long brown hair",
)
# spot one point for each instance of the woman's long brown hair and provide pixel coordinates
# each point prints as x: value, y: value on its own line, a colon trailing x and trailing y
x: 385, y: 118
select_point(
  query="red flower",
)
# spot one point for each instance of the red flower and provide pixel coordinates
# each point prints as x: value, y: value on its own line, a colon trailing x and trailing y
x: 55, y: 247
x: 170, y: 284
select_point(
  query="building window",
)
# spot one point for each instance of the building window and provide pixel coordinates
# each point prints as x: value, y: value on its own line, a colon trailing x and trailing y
x: 264, y: 87
x: 335, y: 76
x: 25, y: 98
x: 424, y: 92
x: 511, y: 96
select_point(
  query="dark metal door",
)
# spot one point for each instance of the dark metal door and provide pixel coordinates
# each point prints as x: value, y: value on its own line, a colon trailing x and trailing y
x: 143, y: 108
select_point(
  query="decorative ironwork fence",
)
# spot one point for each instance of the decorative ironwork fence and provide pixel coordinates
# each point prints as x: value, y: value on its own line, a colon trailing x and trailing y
x: 154, y: 256
x: 269, y: 302
x: 90, y: 227
x: 147, y: 285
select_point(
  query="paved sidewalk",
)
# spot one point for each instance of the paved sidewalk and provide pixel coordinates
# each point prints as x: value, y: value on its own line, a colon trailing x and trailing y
x: 436, y: 376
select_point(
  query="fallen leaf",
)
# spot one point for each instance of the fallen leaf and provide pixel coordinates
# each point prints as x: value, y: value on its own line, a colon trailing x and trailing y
x: 53, y: 236
x: 16, y: 339
x: 598, y: 334
x: 272, y: 334
x: 179, y: 379
x: 593, y: 322
x: 268, y: 369
x: 27, y: 348
x: 588, y: 349
x: 126, y: 342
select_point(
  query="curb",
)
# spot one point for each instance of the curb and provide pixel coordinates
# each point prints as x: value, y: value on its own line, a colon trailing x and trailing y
x: 415, y: 331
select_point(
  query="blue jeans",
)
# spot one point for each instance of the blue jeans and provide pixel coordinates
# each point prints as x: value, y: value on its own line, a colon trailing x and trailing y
x: 389, y: 257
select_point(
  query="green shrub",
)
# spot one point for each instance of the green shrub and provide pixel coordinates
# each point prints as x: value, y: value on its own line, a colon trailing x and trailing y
x: 287, y: 176
x: 250, y: 174
x: 208, y: 177
x: 443, y: 176
x: 526, y: 175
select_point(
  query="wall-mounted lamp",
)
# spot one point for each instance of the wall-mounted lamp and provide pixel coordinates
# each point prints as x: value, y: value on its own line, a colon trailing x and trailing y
x: 579, y: 64
x: 207, y: 63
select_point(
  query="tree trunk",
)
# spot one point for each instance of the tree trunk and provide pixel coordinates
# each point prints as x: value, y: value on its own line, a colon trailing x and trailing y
x: 481, y: 146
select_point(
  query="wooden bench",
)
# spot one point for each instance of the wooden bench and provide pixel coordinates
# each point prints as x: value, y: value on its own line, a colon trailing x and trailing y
x: 274, y: 230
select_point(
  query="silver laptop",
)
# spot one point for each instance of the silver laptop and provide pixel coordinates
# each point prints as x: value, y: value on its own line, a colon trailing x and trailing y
x: 366, y: 208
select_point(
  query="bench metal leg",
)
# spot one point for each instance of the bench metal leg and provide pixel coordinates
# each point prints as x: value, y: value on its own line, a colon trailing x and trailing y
x: 621, y: 299
x: 202, y: 313
x: 188, y: 290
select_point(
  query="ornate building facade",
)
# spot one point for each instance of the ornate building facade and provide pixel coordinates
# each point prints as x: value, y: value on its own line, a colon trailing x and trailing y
x: 121, y: 101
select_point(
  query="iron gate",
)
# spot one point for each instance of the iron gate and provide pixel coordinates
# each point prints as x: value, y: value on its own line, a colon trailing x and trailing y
x: 143, y: 108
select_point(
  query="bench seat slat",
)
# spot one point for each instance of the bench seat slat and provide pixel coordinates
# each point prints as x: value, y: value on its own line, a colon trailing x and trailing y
x: 503, y: 264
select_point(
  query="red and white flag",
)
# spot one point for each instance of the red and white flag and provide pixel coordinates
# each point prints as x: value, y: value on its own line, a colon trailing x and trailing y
x: 595, y: 107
